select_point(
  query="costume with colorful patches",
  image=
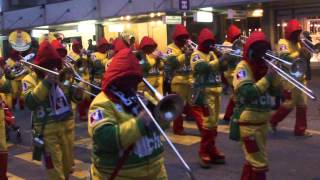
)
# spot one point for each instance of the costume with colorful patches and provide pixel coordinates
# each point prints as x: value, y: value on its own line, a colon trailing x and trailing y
x: 289, y: 49
x: 123, y: 145
x: 179, y: 60
x: 51, y: 112
x: 206, y: 99
x: 252, y: 86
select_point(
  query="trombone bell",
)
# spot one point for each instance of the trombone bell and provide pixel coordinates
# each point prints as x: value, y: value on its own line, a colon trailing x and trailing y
x: 169, y: 107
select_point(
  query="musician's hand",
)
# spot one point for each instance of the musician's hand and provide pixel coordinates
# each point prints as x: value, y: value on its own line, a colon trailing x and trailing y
x: 271, y: 72
x: 144, y: 118
x: 51, y: 78
x: 188, y: 52
x: 79, y: 92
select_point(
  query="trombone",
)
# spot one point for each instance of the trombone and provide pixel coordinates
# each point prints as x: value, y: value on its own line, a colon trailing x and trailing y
x: 168, y: 108
x: 295, y: 71
x: 308, y: 45
x: 28, y: 57
x: 76, y: 74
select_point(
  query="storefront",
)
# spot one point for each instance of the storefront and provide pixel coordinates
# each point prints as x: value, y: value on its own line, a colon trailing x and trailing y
x: 151, y: 25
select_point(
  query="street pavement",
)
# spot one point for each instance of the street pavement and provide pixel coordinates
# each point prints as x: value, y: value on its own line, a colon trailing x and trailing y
x: 290, y: 158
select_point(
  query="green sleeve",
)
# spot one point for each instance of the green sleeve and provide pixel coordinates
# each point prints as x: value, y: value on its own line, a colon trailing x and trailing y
x: 6, y: 86
x: 201, y: 68
x: 35, y: 96
x: 110, y: 137
x: 251, y: 91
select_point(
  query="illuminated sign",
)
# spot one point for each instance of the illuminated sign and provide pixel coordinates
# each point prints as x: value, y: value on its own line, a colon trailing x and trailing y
x: 172, y: 19
x: 201, y: 16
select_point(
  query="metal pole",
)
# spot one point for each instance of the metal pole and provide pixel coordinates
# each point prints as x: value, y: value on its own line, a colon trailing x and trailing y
x: 186, y: 166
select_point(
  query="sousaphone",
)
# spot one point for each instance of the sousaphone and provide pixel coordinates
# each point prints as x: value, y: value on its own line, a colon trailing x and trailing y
x: 20, y: 40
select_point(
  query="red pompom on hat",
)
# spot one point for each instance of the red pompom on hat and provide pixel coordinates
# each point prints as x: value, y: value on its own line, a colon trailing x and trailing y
x: 48, y: 57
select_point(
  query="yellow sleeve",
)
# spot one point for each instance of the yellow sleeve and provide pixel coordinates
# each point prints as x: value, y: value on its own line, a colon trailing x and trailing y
x: 104, y: 114
x: 195, y: 59
x: 214, y: 62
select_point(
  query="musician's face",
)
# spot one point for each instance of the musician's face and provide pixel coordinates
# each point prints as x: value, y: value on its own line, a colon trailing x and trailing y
x: 127, y: 84
x: 208, y: 44
x: 295, y: 36
x: 181, y: 40
x: 148, y: 49
x: 258, y: 50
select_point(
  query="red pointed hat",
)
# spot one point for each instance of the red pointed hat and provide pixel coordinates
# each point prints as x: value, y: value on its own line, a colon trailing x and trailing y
x: 256, y: 36
x: 103, y: 41
x: 119, y: 44
x: 123, y: 64
x: 147, y: 41
x: 180, y: 30
x: 292, y: 26
x: 48, y: 57
x: 233, y: 33
x: 59, y: 48
x: 205, y: 35
x: 76, y: 46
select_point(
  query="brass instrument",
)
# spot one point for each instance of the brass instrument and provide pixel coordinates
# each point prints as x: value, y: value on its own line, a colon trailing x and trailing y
x: 76, y: 74
x: 19, y: 41
x: 168, y: 109
x: 66, y: 82
x: 296, y: 70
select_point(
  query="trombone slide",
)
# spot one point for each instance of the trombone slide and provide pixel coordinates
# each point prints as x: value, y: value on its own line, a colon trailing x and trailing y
x: 185, y: 165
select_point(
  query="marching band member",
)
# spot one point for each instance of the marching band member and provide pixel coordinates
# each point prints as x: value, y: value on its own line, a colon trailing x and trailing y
x: 180, y: 82
x: 289, y: 49
x: 233, y: 34
x: 12, y: 62
x: 5, y: 86
x: 67, y: 76
x: 253, y: 81
x: 206, y: 100
x: 50, y: 105
x: 81, y: 65
x: 151, y: 63
x: 124, y: 144
x: 99, y: 60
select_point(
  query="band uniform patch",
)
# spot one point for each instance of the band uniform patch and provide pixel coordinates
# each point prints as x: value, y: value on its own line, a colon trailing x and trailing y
x: 242, y: 74
x: 96, y: 116
x: 196, y: 58
x: 24, y: 86
x: 283, y: 47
